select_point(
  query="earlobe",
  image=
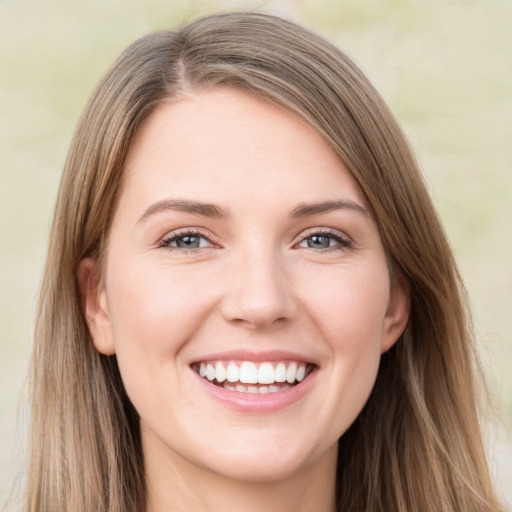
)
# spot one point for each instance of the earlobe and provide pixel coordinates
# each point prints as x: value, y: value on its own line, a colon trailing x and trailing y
x: 95, y: 307
x: 397, y: 314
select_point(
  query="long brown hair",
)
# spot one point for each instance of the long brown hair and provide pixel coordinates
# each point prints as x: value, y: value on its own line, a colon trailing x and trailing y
x: 417, y: 443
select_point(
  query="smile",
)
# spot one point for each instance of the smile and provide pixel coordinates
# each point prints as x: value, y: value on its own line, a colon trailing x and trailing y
x: 251, y: 377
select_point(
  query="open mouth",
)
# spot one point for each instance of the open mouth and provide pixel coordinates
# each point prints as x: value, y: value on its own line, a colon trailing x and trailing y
x: 251, y: 377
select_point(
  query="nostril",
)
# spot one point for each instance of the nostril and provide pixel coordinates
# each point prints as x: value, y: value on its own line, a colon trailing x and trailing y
x: 258, y: 292
x: 257, y: 312
x: 259, y: 323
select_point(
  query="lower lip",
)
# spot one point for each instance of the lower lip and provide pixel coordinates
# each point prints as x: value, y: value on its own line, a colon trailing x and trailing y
x: 256, y: 403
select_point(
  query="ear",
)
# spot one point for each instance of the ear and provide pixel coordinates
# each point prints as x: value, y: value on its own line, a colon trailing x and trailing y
x: 95, y: 307
x: 397, y: 314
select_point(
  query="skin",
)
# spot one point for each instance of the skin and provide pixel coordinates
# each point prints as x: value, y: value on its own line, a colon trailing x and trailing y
x: 254, y: 284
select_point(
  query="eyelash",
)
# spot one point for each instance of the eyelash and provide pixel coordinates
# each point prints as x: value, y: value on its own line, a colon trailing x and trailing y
x: 167, y: 241
x: 344, y: 243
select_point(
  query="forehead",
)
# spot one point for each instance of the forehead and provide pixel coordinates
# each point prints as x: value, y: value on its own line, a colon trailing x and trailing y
x: 228, y: 144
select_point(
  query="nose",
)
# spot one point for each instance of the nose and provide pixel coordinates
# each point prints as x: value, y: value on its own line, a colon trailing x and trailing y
x: 259, y: 292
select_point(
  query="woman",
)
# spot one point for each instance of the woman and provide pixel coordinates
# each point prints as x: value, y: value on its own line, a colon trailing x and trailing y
x: 249, y: 302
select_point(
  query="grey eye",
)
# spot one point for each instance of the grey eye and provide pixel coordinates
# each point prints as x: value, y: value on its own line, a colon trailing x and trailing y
x: 188, y: 242
x: 319, y: 241
x: 324, y: 240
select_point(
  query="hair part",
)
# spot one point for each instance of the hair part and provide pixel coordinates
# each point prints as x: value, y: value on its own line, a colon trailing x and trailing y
x: 417, y: 443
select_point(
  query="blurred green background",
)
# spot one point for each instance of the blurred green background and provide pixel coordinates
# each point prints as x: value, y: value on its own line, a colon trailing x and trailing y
x: 445, y: 68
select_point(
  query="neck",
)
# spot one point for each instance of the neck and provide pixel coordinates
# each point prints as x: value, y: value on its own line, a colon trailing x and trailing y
x: 176, y: 484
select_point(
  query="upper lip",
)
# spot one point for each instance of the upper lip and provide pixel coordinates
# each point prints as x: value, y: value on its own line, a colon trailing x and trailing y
x: 249, y: 355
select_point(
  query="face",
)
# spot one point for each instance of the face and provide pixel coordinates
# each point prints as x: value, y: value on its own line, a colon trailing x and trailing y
x: 246, y: 291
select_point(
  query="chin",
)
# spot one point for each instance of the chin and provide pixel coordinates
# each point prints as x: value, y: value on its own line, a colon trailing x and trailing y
x: 268, y: 462
x: 261, y: 471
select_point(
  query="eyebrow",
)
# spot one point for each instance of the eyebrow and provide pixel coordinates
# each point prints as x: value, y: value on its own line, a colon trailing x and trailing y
x: 214, y: 211
x: 307, y: 209
x: 187, y: 206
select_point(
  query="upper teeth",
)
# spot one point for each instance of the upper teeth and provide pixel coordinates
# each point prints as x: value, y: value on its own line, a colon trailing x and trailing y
x: 248, y: 372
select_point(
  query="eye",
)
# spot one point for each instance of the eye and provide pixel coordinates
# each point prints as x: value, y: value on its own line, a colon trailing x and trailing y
x: 322, y: 240
x: 187, y: 240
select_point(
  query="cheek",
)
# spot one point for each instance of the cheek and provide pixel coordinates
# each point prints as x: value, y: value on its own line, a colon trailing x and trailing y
x: 154, y: 314
x: 349, y: 307
x: 154, y: 311
x: 349, y: 314
x: 354, y: 327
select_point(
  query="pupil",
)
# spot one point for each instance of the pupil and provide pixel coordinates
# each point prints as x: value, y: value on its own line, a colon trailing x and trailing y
x: 188, y: 241
x: 318, y: 241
